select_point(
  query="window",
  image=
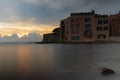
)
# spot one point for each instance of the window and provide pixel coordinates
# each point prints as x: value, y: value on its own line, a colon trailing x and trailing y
x: 72, y: 25
x: 101, y: 36
x: 87, y: 19
x: 106, y: 28
x: 71, y: 20
x: 77, y: 31
x: 67, y: 22
x: 75, y: 38
x: 99, y: 21
x: 87, y: 26
x: 77, y: 25
x: 117, y: 33
x: 104, y: 36
x: 62, y: 23
x: 105, y: 21
x: 73, y: 32
x: 67, y: 32
x: 99, y: 28
x: 98, y: 36
x: 88, y: 33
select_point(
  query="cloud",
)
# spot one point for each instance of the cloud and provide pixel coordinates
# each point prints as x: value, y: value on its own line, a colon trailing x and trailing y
x: 52, y: 11
x: 24, y: 27
x: 31, y: 37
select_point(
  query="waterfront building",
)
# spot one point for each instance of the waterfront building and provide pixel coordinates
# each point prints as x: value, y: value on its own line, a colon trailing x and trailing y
x: 84, y: 27
x: 115, y: 25
x: 53, y: 37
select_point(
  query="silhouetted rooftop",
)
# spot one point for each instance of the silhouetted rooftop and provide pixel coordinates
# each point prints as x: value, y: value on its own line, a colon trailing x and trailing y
x: 56, y: 30
x: 83, y: 13
x: 88, y: 13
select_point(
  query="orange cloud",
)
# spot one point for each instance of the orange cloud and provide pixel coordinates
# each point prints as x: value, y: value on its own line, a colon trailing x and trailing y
x: 24, y: 27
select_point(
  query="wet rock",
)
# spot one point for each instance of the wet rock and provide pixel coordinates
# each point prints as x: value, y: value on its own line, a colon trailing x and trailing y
x: 107, y: 71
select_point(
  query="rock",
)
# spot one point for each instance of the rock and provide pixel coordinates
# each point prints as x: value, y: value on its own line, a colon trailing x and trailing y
x: 107, y: 71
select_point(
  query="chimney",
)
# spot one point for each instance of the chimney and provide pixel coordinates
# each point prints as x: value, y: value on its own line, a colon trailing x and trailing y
x: 93, y: 11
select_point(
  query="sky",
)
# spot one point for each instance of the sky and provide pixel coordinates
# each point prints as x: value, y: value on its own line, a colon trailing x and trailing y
x: 21, y: 18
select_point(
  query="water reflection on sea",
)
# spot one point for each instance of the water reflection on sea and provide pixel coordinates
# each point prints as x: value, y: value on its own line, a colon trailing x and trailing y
x: 58, y: 61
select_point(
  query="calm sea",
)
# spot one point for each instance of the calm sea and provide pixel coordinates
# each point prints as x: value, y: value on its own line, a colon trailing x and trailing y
x: 58, y: 61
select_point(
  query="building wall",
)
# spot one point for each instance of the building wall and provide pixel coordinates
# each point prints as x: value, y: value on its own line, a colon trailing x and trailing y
x: 88, y: 28
x: 48, y: 38
x: 82, y: 27
x: 115, y: 25
x: 102, y: 30
x: 52, y: 37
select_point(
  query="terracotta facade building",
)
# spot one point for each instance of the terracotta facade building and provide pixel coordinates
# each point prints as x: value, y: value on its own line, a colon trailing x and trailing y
x: 114, y: 25
x: 84, y: 27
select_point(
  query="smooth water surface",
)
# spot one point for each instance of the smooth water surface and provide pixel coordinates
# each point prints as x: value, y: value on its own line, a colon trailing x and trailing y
x: 58, y: 61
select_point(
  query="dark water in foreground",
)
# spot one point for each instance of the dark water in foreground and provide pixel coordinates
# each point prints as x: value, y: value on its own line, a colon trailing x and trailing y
x: 58, y: 61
